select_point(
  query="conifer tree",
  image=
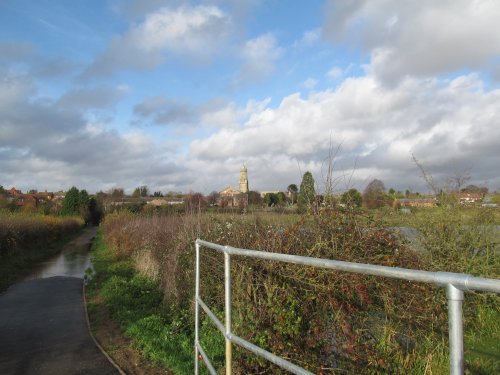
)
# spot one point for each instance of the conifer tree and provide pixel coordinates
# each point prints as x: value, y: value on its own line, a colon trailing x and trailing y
x: 307, y: 194
x: 71, y: 202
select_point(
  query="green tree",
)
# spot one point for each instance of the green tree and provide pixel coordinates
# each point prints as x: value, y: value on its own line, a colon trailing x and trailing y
x: 254, y: 198
x: 83, y: 198
x: 374, y: 194
x: 141, y: 191
x: 293, y: 190
x: 71, y: 202
x: 307, y: 193
x: 43, y: 208
x: 95, y: 211
x: 270, y: 199
x: 352, y: 198
x: 281, y: 197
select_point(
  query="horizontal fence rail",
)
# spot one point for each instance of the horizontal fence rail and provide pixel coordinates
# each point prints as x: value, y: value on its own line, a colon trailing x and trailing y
x: 454, y: 283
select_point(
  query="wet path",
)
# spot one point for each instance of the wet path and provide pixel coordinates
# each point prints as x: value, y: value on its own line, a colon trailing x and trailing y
x: 43, y: 327
x: 72, y: 261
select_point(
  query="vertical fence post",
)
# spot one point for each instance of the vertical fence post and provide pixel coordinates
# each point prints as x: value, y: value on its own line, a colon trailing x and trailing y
x: 227, y: 287
x: 456, y: 330
x: 196, y: 309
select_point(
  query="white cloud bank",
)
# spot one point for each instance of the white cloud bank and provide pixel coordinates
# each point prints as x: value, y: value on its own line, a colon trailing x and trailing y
x: 418, y: 37
x: 447, y: 125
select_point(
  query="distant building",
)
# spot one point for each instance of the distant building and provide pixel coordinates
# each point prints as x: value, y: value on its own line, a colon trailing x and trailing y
x: 13, y: 191
x: 415, y: 202
x: 164, y: 201
x: 468, y: 198
x: 243, y: 180
x: 231, y: 197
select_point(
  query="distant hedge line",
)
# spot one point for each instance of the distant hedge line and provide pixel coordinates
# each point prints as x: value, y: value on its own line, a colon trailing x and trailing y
x: 19, y: 232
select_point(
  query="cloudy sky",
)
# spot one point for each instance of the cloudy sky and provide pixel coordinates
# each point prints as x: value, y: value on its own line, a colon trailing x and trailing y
x: 178, y: 95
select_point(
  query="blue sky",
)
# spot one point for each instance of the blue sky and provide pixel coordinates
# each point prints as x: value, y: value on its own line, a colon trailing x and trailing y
x: 177, y: 95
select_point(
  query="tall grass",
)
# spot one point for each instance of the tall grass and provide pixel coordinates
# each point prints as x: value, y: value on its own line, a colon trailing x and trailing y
x: 324, y: 321
x: 19, y: 230
x: 28, y: 238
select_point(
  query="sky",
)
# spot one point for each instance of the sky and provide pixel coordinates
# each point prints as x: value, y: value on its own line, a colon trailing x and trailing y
x: 178, y: 95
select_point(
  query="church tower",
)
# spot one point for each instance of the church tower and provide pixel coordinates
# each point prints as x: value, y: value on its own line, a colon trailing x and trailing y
x: 243, y: 180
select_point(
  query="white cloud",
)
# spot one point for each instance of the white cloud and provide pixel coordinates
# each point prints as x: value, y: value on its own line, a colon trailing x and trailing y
x: 259, y: 56
x: 418, y: 38
x: 197, y: 33
x: 182, y: 30
x: 58, y: 147
x: 335, y: 73
x: 308, y: 38
x: 444, y: 124
x: 310, y: 83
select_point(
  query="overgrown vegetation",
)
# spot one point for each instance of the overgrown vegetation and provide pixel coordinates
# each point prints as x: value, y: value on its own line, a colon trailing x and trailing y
x: 28, y: 238
x: 324, y: 321
x: 135, y: 302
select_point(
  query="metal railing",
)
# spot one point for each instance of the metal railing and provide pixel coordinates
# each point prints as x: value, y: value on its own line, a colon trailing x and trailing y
x: 454, y: 283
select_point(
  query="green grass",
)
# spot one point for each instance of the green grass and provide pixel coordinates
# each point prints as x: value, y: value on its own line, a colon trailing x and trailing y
x: 482, y: 342
x: 135, y: 302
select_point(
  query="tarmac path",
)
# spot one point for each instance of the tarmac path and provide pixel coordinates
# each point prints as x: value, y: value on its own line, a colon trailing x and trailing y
x: 43, y: 330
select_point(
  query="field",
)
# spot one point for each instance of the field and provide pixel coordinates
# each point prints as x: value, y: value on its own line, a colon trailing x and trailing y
x: 327, y: 322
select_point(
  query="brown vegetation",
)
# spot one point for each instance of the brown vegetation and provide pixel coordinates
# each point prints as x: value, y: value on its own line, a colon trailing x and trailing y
x: 319, y: 319
x: 21, y: 231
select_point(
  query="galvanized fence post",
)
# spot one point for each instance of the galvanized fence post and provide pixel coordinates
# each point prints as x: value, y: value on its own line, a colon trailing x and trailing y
x: 456, y: 330
x: 196, y: 310
x: 227, y: 287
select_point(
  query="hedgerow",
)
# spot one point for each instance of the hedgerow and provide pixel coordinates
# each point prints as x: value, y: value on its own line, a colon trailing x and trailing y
x: 323, y: 320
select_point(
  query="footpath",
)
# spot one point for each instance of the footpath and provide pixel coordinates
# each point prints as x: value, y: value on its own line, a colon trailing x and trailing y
x: 43, y: 329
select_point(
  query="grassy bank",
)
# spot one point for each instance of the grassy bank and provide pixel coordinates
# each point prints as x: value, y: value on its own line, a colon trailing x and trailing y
x: 26, y: 239
x: 134, y: 302
x: 324, y: 321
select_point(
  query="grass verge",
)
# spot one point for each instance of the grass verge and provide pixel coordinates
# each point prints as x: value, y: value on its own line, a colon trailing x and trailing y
x: 130, y: 321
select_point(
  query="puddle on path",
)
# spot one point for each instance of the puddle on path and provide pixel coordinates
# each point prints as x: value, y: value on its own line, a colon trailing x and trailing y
x: 72, y: 262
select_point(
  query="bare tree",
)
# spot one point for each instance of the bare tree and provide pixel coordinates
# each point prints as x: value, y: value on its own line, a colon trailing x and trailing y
x: 427, y: 177
x: 459, y: 178
x: 329, y: 165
